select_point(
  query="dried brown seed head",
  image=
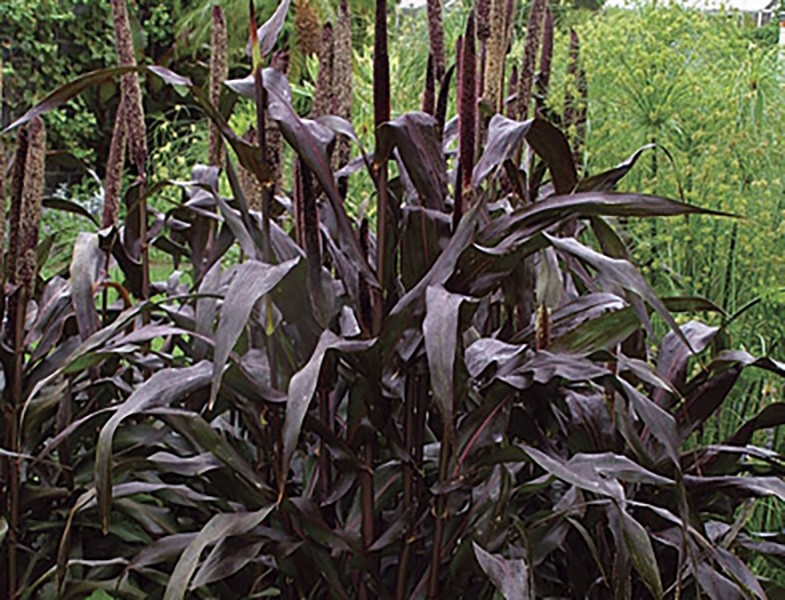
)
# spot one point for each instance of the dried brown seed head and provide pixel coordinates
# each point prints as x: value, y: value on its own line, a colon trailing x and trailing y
x: 129, y: 86
x: 308, y: 27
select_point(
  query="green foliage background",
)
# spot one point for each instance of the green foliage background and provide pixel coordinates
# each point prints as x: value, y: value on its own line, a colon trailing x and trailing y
x: 708, y: 89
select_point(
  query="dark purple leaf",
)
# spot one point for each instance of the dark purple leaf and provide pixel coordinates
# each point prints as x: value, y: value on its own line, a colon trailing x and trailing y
x: 673, y: 356
x: 771, y: 416
x: 227, y: 558
x: 583, y: 474
x: 510, y: 576
x: 161, y: 550
x: 642, y: 553
x: 606, y: 181
x: 618, y: 272
x: 440, y: 330
x: 160, y: 390
x: 64, y: 205
x: 707, y: 397
x: 310, y: 140
x: 504, y: 138
x: 218, y: 528
x: 268, y: 33
x: 251, y: 281
x: 303, y: 385
x: 414, y: 135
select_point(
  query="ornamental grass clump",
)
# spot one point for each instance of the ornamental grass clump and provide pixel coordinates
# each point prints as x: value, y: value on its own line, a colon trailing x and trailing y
x: 467, y: 391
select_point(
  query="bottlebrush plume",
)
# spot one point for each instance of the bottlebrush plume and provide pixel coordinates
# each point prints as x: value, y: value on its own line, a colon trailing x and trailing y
x: 546, y: 57
x: 381, y: 64
x: 543, y: 328
x: 343, y: 80
x: 310, y: 220
x: 495, y: 52
x: 279, y: 62
x: 483, y: 20
x: 467, y: 111
x: 2, y: 177
x: 129, y: 86
x: 436, y: 37
x: 32, y: 187
x: 27, y: 183
x: 429, y: 94
x: 530, y: 49
x: 219, y: 72
x: 324, y: 95
x: 308, y: 27
x: 15, y: 214
x: 511, y: 88
x: 114, y: 170
x: 252, y: 189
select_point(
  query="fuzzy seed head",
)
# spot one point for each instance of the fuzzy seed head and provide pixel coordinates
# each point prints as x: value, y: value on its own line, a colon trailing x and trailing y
x: 27, y: 185
x: 429, y: 94
x: 483, y: 20
x: 467, y: 106
x: 546, y: 57
x: 33, y: 184
x: 15, y: 215
x: 27, y: 271
x: 252, y: 189
x: 343, y: 80
x: 495, y: 52
x: 219, y: 72
x: 381, y: 63
x: 530, y: 49
x: 343, y: 61
x: 129, y: 86
x: 2, y: 201
x: 324, y: 96
x: 308, y: 27
x: 436, y: 37
x: 114, y: 170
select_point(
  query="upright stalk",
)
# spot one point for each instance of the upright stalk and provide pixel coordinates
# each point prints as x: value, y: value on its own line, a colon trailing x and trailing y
x: 267, y: 256
x: 408, y: 483
x: 134, y: 115
x: 441, y: 516
x: 381, y: 113
x: 26, y: 196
